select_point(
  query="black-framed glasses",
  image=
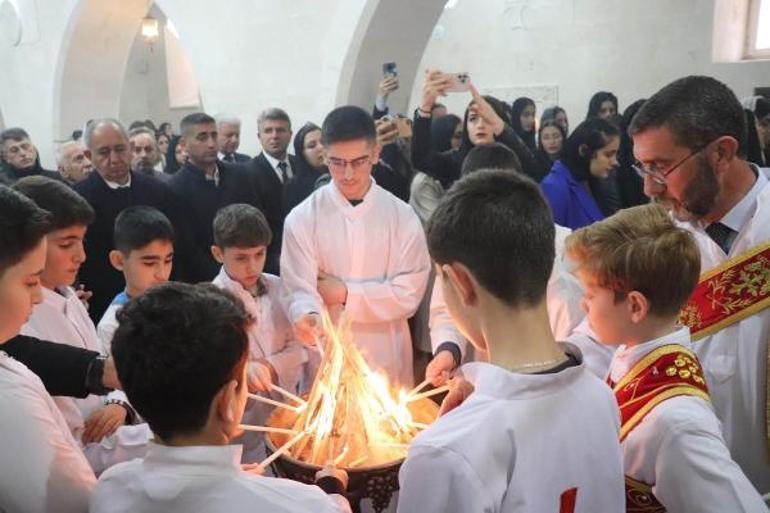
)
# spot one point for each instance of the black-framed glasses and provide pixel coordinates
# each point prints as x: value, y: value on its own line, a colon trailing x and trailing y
x: 658, y: 175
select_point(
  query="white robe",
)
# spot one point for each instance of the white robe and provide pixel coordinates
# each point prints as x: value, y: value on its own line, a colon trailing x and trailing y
x: 596, y: 354
x: 108, y: 324
x: 735, y: 358
x: 678, y: 448
x: 62, y: 318
x: 563, y: 298
x: 378, y: 249
x: 517, y: 444
x: 42, y: 468
x: 270, y: 338
x: 203, y: 479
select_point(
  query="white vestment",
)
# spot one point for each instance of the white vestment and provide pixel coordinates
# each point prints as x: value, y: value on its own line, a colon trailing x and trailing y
x: 678, y: 448
x: 42, y: 468
x: 563, y: 298
x: 202, y: 479
x: 519, y: 443
x: 735, y: 358
x: 378, y: 249
x: 596, y: 354
x: 62, y: 318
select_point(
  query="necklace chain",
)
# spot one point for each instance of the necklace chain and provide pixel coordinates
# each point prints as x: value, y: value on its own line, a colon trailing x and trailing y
x: 534, y: 365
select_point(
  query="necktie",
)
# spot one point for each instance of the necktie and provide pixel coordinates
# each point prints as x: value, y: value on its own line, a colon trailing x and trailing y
x: 721, y: 234
x: 230, y: 157
x: 283, y: 166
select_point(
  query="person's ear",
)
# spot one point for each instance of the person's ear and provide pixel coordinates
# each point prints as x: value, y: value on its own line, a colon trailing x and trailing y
x: 227, y: 403
x: 462, y: 282
x: 218, y: 254
x: 726, y: 150
x: 376, y: 153
x: 638, y: 306
x: 116, y: 260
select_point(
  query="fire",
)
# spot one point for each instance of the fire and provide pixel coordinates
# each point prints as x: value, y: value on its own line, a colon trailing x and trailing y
x: 352, y: 416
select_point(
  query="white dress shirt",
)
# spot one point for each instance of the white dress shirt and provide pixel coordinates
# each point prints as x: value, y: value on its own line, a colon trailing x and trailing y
x: 274, y: 163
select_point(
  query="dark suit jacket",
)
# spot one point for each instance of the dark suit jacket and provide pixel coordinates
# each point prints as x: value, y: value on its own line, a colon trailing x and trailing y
x: 239, y: 158
x: 200, y: 199
x: 270, y: 193
x: 97, y: 274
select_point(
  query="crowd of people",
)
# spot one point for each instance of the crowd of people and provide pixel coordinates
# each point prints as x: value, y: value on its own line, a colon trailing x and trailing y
x: 579, y: 325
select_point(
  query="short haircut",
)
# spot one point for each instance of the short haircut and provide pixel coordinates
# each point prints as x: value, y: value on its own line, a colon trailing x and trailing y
x: 67, y: 207
x: 490, y: 156
x: 639, y: 249
x: 348, y: 123
x: 22, y: 225
x: 196, y: 118
x: 273, y: 114
x: 437, y: 105
x: 92, y: 125
x: 140, y: 225
x: 227, y: 119
x: 588, y: 137
x: 762, y: 108
x: 13, y: 134
x: 498, y: 225
x: 696, y: 109
x: 241, y: 226
x: 143, y: 130
x: 595, y: 104
x: 59, y: 152
x: 175, y: 347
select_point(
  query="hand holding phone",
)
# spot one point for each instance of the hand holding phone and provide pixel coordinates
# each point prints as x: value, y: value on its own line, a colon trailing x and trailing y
x: 459, y: 82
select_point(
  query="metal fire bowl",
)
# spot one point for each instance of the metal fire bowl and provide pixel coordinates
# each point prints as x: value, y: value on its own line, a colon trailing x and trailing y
x: 377, y: 483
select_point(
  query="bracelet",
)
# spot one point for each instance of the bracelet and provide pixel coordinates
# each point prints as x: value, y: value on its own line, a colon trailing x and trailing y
x: 427, y: 113
x: 130, y: 413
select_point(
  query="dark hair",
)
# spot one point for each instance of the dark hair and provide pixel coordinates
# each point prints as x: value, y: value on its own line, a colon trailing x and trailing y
x: 752, y: 149
x: 481, y: 223
x: 696, y: 109
x: 136, y: 124
x: 67, y: 207
x: 22, y: 225
x: 171, y: 164
x: 437, y: 105
x: 762, y: 108
x: 550, y: 113
x: 299, y: 142
x: 348, y: 123
x: 590, y: 136
x: 543, y: 125
x: 140, y: 225
x: 595, y: 105
x: 490, y: 156
x: 500, y: 109
x: 163, y: 126
x: 241, y: 226
x: 77, y: 134
x: 13, y: 134
x: 517, y: 108
x: 175, y: 347
x: 441, y: 131
x: 196, y: 118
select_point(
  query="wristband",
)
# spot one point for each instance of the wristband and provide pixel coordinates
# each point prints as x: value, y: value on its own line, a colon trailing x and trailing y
x: 426, y: 113
x: 130, y: 413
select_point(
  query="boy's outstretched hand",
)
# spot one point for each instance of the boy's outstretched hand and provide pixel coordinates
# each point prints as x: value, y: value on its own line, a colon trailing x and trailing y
x: 440, y: 367
x: 103, y: 423
x: 459, y: 391
x: 259, y: 377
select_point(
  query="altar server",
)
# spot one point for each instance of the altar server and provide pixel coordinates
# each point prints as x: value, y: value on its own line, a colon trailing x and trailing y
x: 354, y: 246
x: 687, y: 139
x: 538, y: 420
x: 638, y: 271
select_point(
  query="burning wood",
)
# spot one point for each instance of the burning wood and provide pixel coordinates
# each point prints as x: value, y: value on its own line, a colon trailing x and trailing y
x: 351, y: 417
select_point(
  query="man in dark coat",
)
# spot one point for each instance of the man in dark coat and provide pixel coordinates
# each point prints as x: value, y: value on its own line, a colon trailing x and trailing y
x: 20, y: 157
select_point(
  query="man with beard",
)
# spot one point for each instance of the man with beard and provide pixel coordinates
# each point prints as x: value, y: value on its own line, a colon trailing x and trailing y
x: 145, y: 155
x: 686, y: 141
x: 20, y: 157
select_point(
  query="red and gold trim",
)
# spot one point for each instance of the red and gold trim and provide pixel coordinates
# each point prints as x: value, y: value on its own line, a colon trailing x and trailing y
x: 668, y: 371
x: 640, y: 499
x: 729, y: 293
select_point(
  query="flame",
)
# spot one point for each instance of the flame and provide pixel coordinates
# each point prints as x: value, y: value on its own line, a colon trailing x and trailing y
x: 353, y: 416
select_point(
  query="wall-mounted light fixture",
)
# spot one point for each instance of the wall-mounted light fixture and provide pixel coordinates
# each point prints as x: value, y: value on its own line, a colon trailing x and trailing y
x: 150, y: 30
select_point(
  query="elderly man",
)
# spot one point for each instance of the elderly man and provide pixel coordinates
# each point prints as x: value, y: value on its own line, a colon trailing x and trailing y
x: 112, y: 188
x: 74, y: 165
x: 229, y: 138
x: 686, y: 139
x: 20, y: 157
x: 273, y: 168
x: 145, y: 155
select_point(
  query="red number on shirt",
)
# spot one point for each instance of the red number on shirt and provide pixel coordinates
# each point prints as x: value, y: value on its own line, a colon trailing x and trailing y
x: 567, y: 501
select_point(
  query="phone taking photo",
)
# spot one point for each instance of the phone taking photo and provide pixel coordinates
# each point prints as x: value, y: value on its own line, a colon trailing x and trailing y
x: 460, y: 83
x: 389, y: 70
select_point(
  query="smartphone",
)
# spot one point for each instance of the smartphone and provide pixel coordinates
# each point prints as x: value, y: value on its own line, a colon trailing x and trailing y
x: 460, y: 83
x: 389, y: 70
x: 404, y: 125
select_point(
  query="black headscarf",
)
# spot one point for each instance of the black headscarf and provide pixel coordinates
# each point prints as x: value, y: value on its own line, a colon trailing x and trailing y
x: 442, y: 130
x: 299, y: 148
x: 595, y: 105
x: 528, y: 136
x: 171, y: 164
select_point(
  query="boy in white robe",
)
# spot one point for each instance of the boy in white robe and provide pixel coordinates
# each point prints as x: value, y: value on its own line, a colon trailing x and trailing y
x: 353, y: 245
x: 638, y: 271
x: 144, y: 253
x: 241, y: 237
x: 103, y: 425
x: 181, y: 353
x: 538, y: 419
x: 43, y: 468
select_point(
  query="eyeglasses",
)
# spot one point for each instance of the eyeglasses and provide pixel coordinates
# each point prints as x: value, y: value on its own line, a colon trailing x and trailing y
x: 356, y: 164
x: 658, y: 175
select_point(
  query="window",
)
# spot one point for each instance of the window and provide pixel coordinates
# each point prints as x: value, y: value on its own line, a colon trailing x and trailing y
x: 758, y: 30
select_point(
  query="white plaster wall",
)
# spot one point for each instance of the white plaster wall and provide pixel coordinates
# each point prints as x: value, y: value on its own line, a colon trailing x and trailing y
x: 631, y: 48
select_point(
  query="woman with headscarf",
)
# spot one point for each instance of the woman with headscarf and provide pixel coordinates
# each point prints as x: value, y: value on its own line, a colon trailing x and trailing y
x: 175, y: 156
x: 602, y: 105
x: 308, y: 151
x: 557, y: 114
x: 523, y: 113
